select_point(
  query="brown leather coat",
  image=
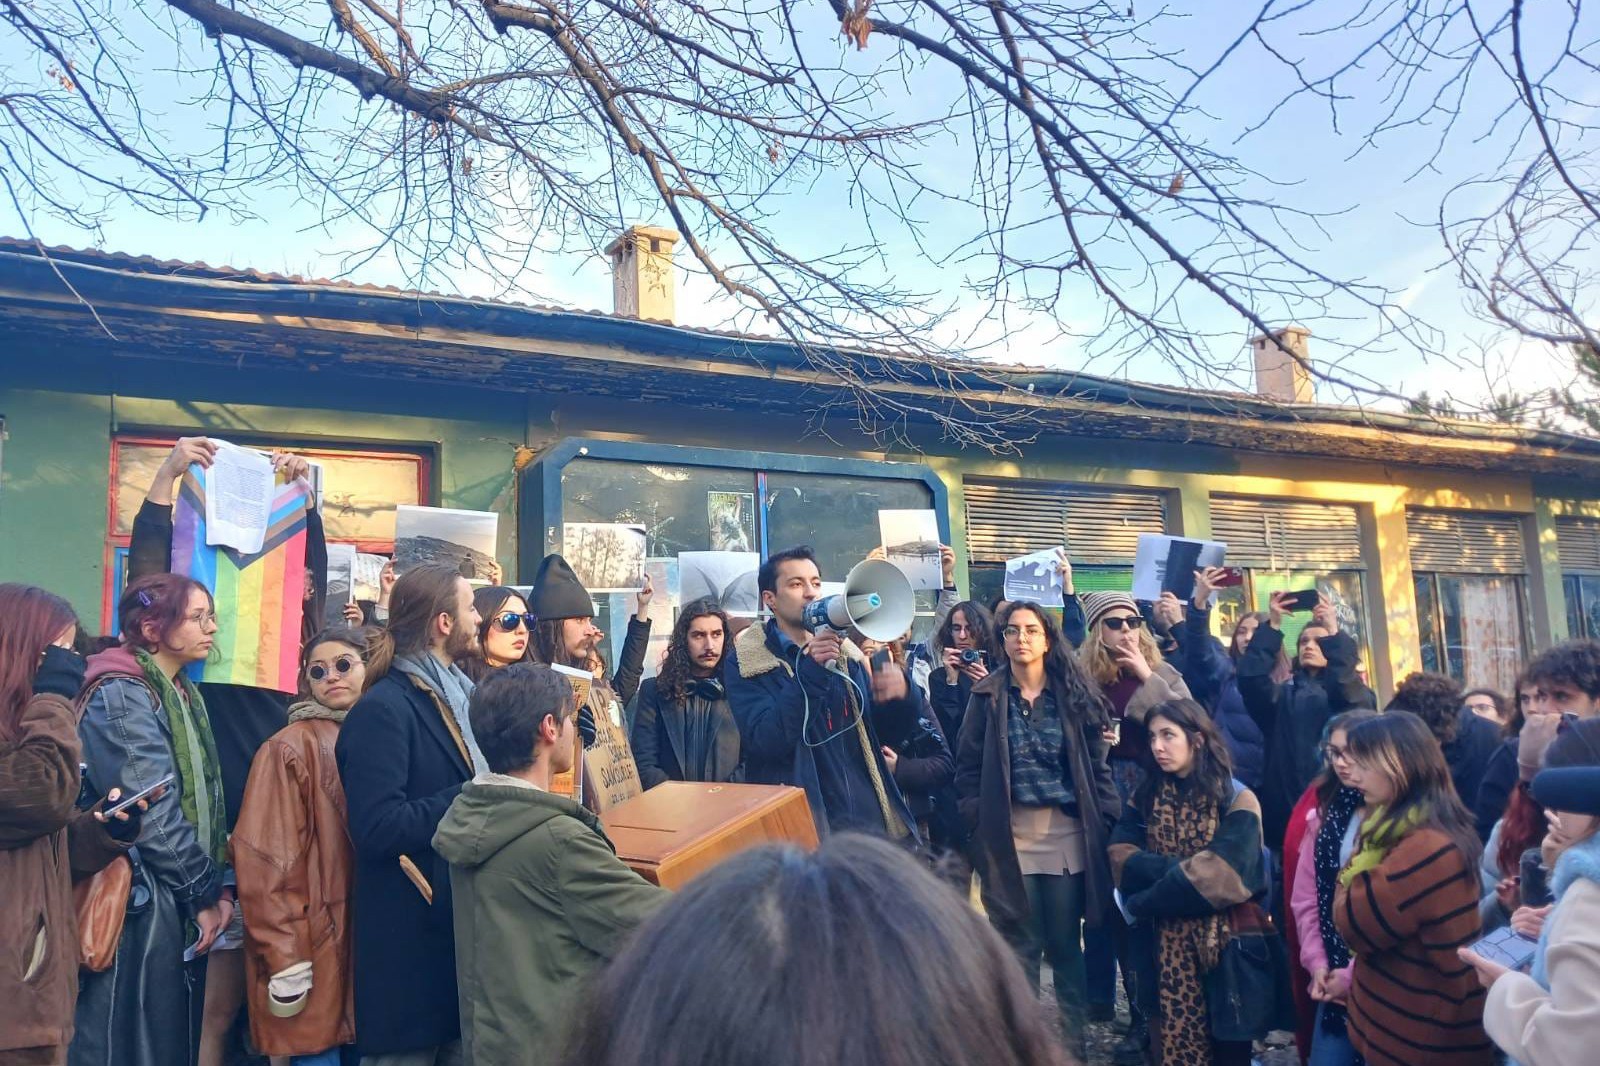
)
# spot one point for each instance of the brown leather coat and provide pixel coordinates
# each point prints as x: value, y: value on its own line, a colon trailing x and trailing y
x: 293, y: 858
x: 44, y: 843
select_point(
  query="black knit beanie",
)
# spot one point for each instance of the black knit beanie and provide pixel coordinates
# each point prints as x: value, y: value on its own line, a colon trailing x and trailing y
x: 557, y: 592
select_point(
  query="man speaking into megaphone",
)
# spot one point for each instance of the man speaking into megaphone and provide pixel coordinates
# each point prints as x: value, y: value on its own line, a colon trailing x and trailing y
x: 807, y: 701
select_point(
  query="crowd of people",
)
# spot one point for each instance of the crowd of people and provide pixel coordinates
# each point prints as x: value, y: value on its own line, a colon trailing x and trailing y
x: 383, y: 870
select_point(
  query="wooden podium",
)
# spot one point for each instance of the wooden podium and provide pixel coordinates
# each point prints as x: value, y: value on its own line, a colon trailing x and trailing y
x: 680, y: 829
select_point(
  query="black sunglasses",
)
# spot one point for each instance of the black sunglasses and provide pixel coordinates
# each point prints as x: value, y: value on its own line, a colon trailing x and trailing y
x: 341, y: 666
x: 1120, y: 622
x: 509, y: 621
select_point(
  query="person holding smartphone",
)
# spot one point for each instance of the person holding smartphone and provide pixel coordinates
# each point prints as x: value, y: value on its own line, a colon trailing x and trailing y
x: 1551, y: 1014
x: 142, y: 720
x: 1292, y: 714
x: 45, y: 841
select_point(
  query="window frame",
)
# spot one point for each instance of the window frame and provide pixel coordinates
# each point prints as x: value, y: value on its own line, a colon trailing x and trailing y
x: 1437, y: 622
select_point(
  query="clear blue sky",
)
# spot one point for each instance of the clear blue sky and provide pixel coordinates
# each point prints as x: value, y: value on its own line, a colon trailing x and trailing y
x: 1382, y: 232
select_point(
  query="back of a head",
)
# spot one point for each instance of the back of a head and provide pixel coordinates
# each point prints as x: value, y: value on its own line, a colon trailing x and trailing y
x: 853, y: 955
x: 507, y: 708
x: 420, y: 595
x: 31, y: 619
x: 1436, y: 699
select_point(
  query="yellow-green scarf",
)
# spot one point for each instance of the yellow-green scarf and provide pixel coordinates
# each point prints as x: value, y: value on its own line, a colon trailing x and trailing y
x: 1382, y: 833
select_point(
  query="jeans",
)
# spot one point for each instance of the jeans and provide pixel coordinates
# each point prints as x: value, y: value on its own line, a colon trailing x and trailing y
x: 1107, y: 948
x: 1328, y: 1049
x: 1055, y: 932
x: 323, y: 1058
x: 445, y: 1055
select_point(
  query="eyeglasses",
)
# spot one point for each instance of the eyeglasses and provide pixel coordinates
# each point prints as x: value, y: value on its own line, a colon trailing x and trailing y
x: 341, y: 666
x: 1334, y: 753
x: 200, y: 618
x: 1013, y: 632
x: 1120, y: 622
x: 511, y: 619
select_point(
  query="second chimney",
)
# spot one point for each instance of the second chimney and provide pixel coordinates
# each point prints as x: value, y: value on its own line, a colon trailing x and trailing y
x: 1283, y: 366
x: 642, y: 282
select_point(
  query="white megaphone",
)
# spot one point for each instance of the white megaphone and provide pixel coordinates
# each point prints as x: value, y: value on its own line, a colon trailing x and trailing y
x: 877, y: 602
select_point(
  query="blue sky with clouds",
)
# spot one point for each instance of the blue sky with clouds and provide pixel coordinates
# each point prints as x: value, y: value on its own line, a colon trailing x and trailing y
x: 1381, y: 201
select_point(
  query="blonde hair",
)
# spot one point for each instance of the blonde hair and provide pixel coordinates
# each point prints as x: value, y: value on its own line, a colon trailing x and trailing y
x: 1100, y: 663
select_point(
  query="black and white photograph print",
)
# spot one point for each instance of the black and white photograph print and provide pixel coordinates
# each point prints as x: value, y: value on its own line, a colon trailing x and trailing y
x: 606, y: 556
x: 911, y: 542
x: 462, y: 539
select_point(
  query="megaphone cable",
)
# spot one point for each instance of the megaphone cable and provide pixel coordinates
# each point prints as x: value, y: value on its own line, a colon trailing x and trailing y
x: 805, y: 719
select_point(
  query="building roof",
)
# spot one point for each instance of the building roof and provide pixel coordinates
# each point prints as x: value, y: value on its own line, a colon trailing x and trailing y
x: 141, y: 307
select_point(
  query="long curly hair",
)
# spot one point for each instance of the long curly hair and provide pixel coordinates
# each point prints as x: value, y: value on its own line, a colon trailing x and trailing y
x: 1100, y: 663
x: 677, y: 670
x: 1084, y: 698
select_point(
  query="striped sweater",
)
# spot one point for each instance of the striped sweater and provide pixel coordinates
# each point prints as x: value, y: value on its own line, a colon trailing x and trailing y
x: 1412, y: 1000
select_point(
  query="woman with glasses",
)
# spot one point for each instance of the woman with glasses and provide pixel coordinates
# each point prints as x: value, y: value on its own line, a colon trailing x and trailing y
x: 291, y: 849
x: 1034, y: 789
x: 143, y: 722
x: 1329, y: 834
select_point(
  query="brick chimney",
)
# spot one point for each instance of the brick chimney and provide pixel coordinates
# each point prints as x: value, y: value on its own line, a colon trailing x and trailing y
x: 1283, y: 365
x: 642, y: 281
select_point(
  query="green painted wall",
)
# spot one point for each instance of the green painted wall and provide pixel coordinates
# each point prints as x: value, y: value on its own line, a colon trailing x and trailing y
x: 53, y: 490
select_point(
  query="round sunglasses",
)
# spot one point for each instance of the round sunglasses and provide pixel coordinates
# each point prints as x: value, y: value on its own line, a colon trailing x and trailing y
x: 341, y: 666
x: 509, y: 621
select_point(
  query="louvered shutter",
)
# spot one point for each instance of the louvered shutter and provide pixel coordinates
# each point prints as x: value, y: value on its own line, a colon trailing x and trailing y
x: 1465, y: 542
x: 1270, y: 534
x: 1012, y: 518
x: 1578, y: 541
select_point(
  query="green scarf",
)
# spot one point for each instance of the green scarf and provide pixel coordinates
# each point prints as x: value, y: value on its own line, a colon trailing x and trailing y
x: 194, y: 752
x: 1382, y: 834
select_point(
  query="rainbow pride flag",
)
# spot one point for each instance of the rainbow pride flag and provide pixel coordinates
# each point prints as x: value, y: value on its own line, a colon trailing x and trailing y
x: 260, y: 598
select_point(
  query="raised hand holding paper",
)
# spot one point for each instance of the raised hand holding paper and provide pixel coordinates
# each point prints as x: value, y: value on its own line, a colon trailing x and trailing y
x: 606, y: 556
x: 911, y: 542
x: 1167, y: 564
x: 239, y: 487
x: 1037, y: 577
x: 461, y: 539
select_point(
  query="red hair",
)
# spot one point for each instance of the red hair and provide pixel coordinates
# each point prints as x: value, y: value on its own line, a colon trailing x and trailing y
x: 162, y: 600
x: 33, y: 619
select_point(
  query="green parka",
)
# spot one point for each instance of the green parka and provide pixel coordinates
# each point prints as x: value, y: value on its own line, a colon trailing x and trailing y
x: 540, y: 900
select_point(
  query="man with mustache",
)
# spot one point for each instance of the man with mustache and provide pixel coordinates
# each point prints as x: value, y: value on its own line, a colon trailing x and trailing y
x: 683, y: 729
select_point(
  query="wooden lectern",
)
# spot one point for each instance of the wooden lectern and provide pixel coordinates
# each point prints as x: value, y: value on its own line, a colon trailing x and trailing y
x: 680, y: 829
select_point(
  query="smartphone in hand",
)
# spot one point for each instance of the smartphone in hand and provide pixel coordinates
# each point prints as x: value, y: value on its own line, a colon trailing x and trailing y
x: 1231, y: 577
x: 128, y: 801
x: 1304, y: 600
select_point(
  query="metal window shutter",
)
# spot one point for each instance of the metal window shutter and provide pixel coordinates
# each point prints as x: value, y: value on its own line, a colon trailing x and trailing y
x: 1005, y: 520
x: 1287, y: 534
x: 1464, y: 542
x: 1578, y: 541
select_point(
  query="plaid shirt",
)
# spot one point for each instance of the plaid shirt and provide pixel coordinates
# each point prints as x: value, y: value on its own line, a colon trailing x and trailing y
x: 1037, y: 737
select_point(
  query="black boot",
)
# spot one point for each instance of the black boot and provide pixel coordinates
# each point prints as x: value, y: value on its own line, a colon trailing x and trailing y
x: 1133, y: 1049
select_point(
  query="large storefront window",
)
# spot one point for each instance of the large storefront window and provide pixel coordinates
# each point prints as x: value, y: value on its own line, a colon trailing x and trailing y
x: 736, y: 502
x: 1471, y: 627
x: 1578, y: 542
x: 1468, y: 577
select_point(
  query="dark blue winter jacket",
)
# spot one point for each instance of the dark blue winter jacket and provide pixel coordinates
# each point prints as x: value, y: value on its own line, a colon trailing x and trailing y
x: 1207, y: 669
